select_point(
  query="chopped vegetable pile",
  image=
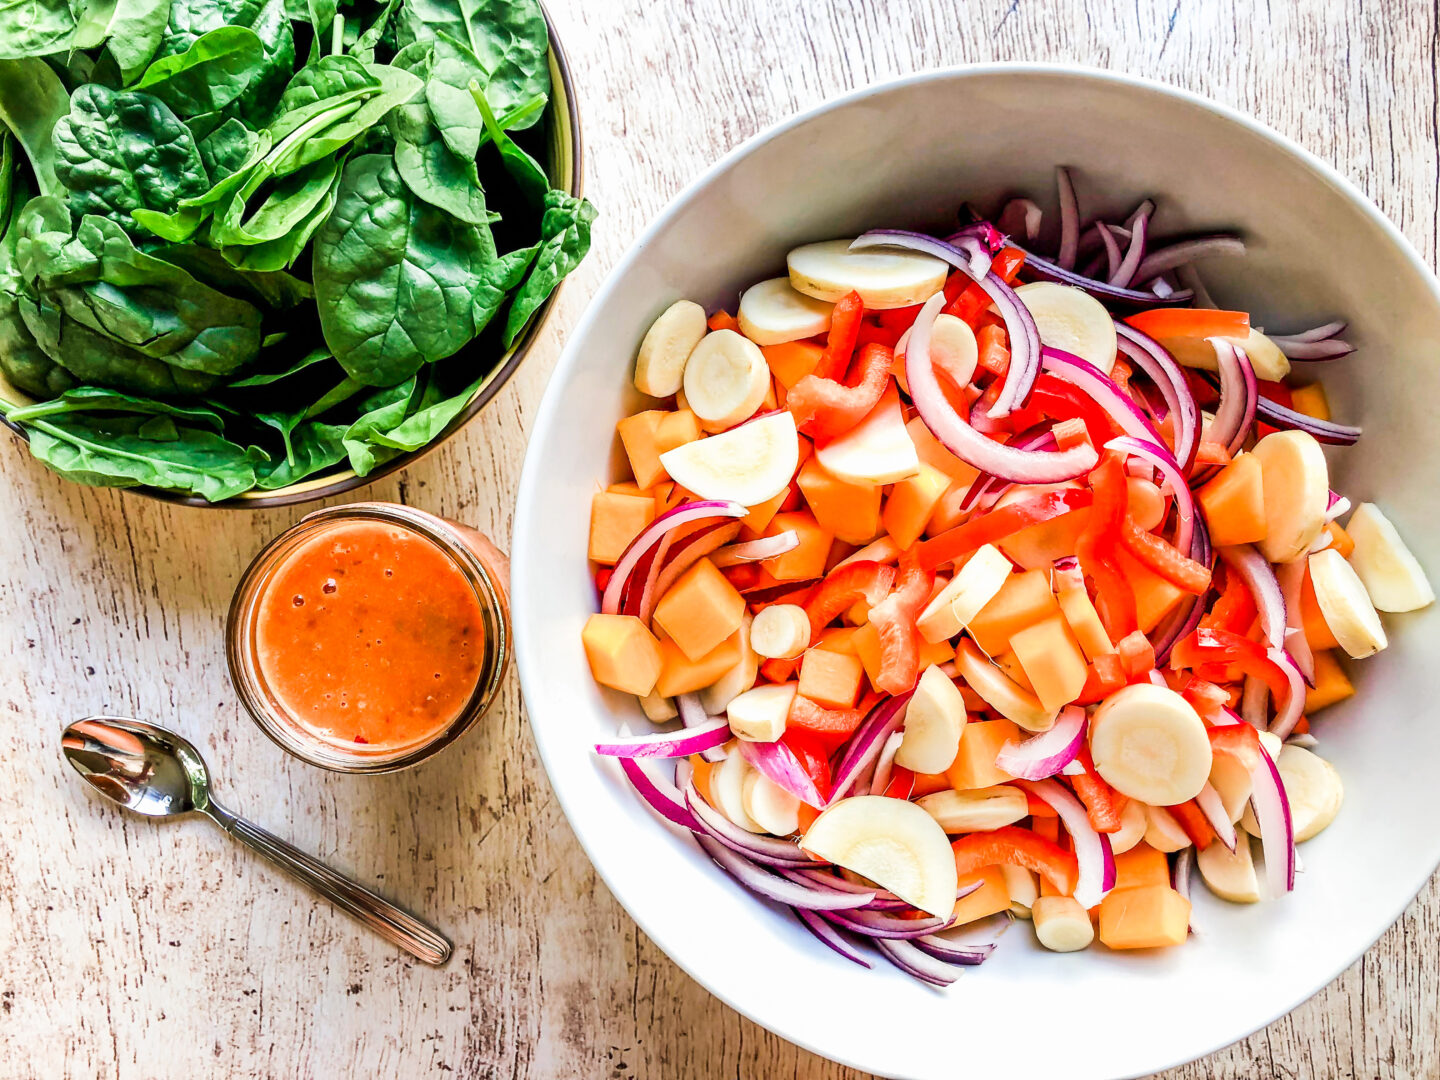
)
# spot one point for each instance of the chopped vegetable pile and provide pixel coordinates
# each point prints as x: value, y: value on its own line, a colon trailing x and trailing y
x: 243, y: 241
x: 974, y: 597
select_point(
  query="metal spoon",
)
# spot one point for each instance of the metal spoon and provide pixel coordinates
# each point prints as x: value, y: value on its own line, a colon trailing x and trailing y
x: 157, y: 773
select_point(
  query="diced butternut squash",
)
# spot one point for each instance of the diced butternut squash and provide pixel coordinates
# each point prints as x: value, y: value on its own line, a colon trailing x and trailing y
x: 851, y: 512
x: 830, y: 678
x: 1053, y: 661
x: 1234, y: 503
x: 647, y: 435
x: 929, y: 783
x: 681, y: 675
x: 1340, y: 539
x: 974, y: 765
x: 934, y: 454
x: 947, y: 513
x: 1009, y: 663
x: 807, y: 560
x: 623, y: 654
x: 630, y: 487
x: 911, y: 502
x: 1331, y: 683
x: 991, y: 898
x: 1082, y: 618
x: 866, y: 642
x: 792, y: 361
x: 1141, y: 865
x: 1154, y: 596
x: 615, y: 520
x: 1317, y: 630
x: 1022, y: 601
x: 700, y: 610
x: 1036, y: 547
x: 1311, y: 401
x: 754, y: 524
x: 840, y: 639
x: 1149, y: 917
x: 935, y: 652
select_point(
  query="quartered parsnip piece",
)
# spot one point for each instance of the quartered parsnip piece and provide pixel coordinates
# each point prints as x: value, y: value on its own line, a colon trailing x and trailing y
x: 748, y: 464
x: 660, y: 366
x: 658, y: 708
x: 1163, y: 832
x: 738, y: 679
x: 884, y: 279
x: 1313, y: 789
x: 960, y: 601
x: 1391, y: 574
x: 1072, y: 320
x: 934, y: 722
x: 1296, y: 483
x: 1148, y: 743
x: 1345, y: 605
x: 1230, y: 875
x: 1001, y: 693
x: 878, y: 450
x: 780, y: 631
x: 727, y: 790
x: 726, y: 379
x: 769, y: 805
x: 758, y: 714
x: 1269, y: 362
x: 976, y: 810
x: 1133, y: 824
x: 772, y: 313
x: 892, y: 842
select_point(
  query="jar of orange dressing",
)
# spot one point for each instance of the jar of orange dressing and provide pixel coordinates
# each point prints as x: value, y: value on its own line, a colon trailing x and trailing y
x: 370, y: 636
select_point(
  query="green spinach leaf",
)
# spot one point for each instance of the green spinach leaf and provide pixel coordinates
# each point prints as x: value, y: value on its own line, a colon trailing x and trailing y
x: 98, y: 399
x: 34, y: 28
x: 265, y: 378
x: 192, y: 19
x: 32, y: 102
x: 227, y: 149
x: 210, y: 74
x: 565, y: 238
x: 380, y: 411
x: 313, y: 446
x: 132, y: 28
x: 528, y: 173
x: 432, y: 170
x: 273, y: 290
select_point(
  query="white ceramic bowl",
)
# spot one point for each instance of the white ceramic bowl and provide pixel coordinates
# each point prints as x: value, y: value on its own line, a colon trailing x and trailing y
x: 907, y: 153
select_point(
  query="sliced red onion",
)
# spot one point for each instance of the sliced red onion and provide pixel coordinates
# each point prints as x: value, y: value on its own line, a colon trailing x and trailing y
x: 767, y: 593
x: 1161, y: 287
x: 877, y: 924
x: 1325, y: 431
x: 1160, y: 457
x: 1188, y: 276
x: 766, y: 884
x: 885, y: 763
x: 1020, y: 217
x: 1002, y: 460
x: 1173, y: 256
x: 1069, y: 219
x: 695, y: 549
x: 976, y: 251
x: 1019, y: 324
x: 693, y: 714
x: 1180, y: 873
x: 1288, y: 712
x: 778, y: 762
x: 1321, y: 343
x: 1277, y: 832
x: 1239, y: 393
x: 986, y: 488
x: 1127, y: 272
x: 1255, y: 570
x: 890, y: 902
x: 952, y: 952
x: 1337, y: 507
x: 1291, y: 578
x: 662, y: 796
x: 1213, y: 807
x: 917, y: 963
x: 865, y: 745
x: 1092, y: 849
x: 830, y: 936
x: 668, y: 744
x: 762, y: 849
x: 825, y: 879
x: 767, y: 547
x: 1187, y: 616
x: 1042, y: 756
x: 641, y: 602
x: 1318, y: 333
x: 684, y: 514
x: 1099, y: 386
x: 1113, y: 295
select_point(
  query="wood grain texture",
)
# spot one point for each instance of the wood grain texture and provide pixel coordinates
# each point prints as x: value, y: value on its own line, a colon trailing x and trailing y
x: 135, y: 950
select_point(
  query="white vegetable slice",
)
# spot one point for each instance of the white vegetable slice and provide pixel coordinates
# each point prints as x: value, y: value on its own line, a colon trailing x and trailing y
x: 1296, y: 483
x: 878, y: 450
x: 660, y: 365
x: 934, y: 722
x: 1133, y: 823
x: 960, y: 601
x: 976, y: 810
x: 758, y: 715
x: 748, y: 464
x: 1269, y: 362
x: 738, y: 679
x: 1314, y: 791
x: 892, y: 842
x: 884, y: 279
x: 1023, y: 886
x: 1232, y: 780
x: 659, y: 709
x: 770, y: 806
x: 1163, y: 832
x: 1345, y: 605
x: 1072, y: 320
x: 727, y: 791
x: 1148, y: 743
x: 1061, y: 924
x: 780, y: 631
x: 726, y: 379
x: 1002, y: 693
x: 772, y: 313
x: 1230, y: 875
x: 1391, y: 574
x: 953, y: 348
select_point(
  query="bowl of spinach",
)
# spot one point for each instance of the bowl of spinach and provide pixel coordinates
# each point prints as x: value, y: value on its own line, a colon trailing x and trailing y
x: 256, y: 252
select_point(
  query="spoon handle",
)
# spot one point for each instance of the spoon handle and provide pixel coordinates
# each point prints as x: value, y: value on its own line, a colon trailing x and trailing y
x: 383, y: 917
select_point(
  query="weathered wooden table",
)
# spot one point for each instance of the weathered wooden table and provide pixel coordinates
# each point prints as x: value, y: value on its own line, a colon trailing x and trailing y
x: 135, y: 950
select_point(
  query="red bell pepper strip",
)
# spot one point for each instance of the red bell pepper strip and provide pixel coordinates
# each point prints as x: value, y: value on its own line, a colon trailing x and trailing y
x: 811, y: 755
x: 1103, y: 804
x: 902, y: 783
x: 1017, y: 847
x: 829, y: 728
x: 1206, y: 697
x: 1180, y: 570
x: 1059, y: 400
x: 824, y: 408
x: 1190, y: 322
x: 1193, y: 820
x: 1038, y: 807
x: 974, y: 300
x: 998, y: 524
x: 864, y: 580
x: 840, y: 342
x: 1095, y: 547
x: 894, y: 620
x: 994, y: 345
x: 776, y: 670
x: 1206, y: 646
x: 1240, y: 741
x: 1235, y: 610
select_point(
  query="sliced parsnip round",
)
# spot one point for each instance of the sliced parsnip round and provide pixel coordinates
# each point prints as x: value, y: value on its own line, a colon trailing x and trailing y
x: 1163, y: 832
x: 772, y: 313
x: 934, y: 722
x: 770, y: 806
x: 1265, y: 356
x: 1133, y: 823
x: 1296, y: 482
x: 892, y: 842
x: 1345, y: 605
x: 727, y: 790
x: 975, y: 810
x: 1072, y: 320
x: 780, y: 631
x: 1023, y: 886
x: 748, y: 464
x: 878, y: 450
x: 660, y: 365
x: 1148, y: 743
x: 738, y: 679
x: 1230, y: 875
x: 1392, y: 575
x: 1313, y: 789
x: 1001, y: 693
x: 884, y: 279
x: 1233, y: 782
x: 952, y: 609
x: 759, y: 714
x: 726, y: 379
x: 953, y: 348
x: 1062, y: 924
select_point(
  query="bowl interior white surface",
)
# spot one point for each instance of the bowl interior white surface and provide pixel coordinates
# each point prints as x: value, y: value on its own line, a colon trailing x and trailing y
x: 907, y: 154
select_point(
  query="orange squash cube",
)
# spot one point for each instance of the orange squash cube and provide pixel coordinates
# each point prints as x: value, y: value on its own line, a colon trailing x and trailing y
x: 615, y: 520
x: 1052, y: 661
x: 792, y: 361
x: 681, y: 675
x: 1311, y: 401
x: 647, y: 435
x: 806, y: 560
x: 1234, y: 503
x: 831, y: 679
x: 700, y: 610
x: 1141, y: 865
x: 1331, y: 683
x: 1009, y: 663
x: 754, y: 524
x: 1037, y: 546
x: 1340, y: 539
x: 1154, y: 596
x: 1312, y: 619
x: 933, y: 453
x: 839, y: 639
x: 623, y: 654
x: 1148, y: 917
x: 935, y: 652
x: 992, y: 897
x: 866, y: 645
x: 850, y: 512
x: 974, y: 765
x: 911, y: 501
x: 1022, y: 601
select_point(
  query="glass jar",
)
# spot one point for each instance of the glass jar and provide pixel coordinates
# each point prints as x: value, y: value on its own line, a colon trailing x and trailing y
x: 287, y: 697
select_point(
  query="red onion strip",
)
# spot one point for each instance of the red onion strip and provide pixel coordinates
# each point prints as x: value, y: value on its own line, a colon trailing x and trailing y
x: 1291, y: 578
x: 1288, y: 712
x: 1160, y: 458
x: 668, y: 744
x: 1099, y: 386
x: 865, y: 745
x: 1113, y: 256
x: 1326, y: 431
x: 830, y: 936
x: 684, y: 514
x: 1213, y: 807
x: 766, y: 884
x: 767, y: 547
x: 1044, y: 755
x: 917, y: 963
x: 662, y: 796
x: 1069, y: 219
x: 1092, y: 849
x: 763, y: 849
x: 1187, y: 251
x: 1255, y: 570
x: 778, y: 762
x: 1277, y: 832
x: 1126, y: 273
